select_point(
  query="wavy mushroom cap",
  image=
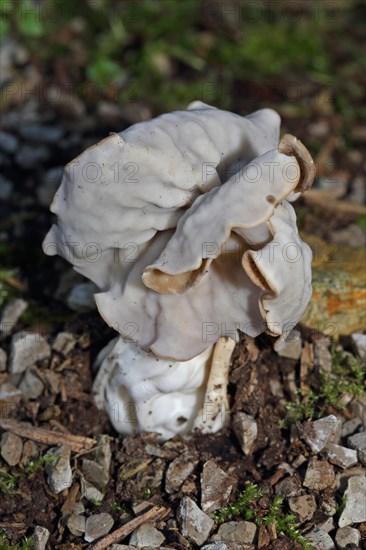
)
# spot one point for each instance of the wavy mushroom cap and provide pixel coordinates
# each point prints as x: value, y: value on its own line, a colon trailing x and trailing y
x: 182, y: 222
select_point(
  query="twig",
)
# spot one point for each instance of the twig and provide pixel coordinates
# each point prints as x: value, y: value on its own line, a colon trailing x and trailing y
x: 157, y: 512
x: 77, y: 443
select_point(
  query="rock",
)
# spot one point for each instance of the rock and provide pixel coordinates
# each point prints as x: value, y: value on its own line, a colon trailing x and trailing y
x: 78, y: 508
x: 216, y: 487
x: 3, y: 360
x: 31, y: 386
x: 8, y: 143
x: 362, y: 457
x: 215, y: 546
x: 6, y: 188
x: 64, y: 343
x: 329, y: 505
x: 30, y: 156
x: 195, y: 524
x: 293, y: 346
x: 95, y: 473
x: 340, y: 456
x: 303, y: 506
x: 246, y: 431
x: 26, y: 349
x: 357, y: 407
x: 40, y: 537
x: 81, y: 297
x: 350, y: 426
x: 39, y: 133
x: 319, y: 475
x: 97, y: 526
x: 11, y: 448
x: 322, y: 355
x: 355, y: 507
x: 49, y: 185
x: 103, y: 453
x: 319, y: 539
x: 10, y: 395
x: 288, y: 487
x: 319, y: 432
x: 11, y: 313
x: 236, y: 531
x: 146, y: 535
x: 59, y: 474
x: 347, y: 535
x: 357, y: 441
x: 30, y: 451
x: 90, y: 492
x: 76, y: 524
x: 178, y: 471
x: 327, y: 525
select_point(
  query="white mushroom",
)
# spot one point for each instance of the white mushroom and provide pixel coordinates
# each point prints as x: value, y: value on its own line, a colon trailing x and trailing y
x: 183, y: 224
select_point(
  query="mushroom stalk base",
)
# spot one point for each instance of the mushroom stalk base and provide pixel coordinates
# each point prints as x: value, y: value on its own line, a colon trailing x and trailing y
x: 142, y: 392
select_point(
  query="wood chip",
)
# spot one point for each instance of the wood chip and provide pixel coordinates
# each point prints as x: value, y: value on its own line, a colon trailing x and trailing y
x: 76, y: 443
x: 155, y: 513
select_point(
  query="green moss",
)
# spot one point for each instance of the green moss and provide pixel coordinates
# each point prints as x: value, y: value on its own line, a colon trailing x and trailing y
x: 245, y: 507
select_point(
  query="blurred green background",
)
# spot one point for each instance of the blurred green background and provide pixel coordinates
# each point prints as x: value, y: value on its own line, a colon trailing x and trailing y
x: 299, y: 56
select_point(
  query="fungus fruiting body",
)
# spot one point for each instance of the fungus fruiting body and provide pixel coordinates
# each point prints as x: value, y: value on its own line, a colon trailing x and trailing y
x: 185, y: 225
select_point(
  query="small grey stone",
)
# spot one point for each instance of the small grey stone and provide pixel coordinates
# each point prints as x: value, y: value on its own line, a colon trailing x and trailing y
x: 95, y: 473
x: 64, y: 343
x: 355, y: 507
x: 76, y: 524
x: 89, y: 491
x: 11, y: 447
x: 327, y: 525
x: 319, y: 539
x: 3, y: 360
x: 347, y: 535
x: 357, y: 441
x: 40, y: 537
x: 31, y: 386
x: 340, y: 456
x: 236, y: 531
x: 319, y: 432
x: 146, y: 535
x: 288, y: 487
x: 329, y: 505
x: 246, y: 431
x: 11, y: 313
x: 178, y: 471
x: 26, y: 349
x: 319, y: 475
x: 350, y: 426
x: 293, y: 346
x: 29, y: 156
x: 359, y: 344
x: 98, y: 525
x: 216, y: 487
x: 322, y: 355
x: 49, y: 185
x: 78, y: 508
x: 30, y: 451
x: 9, y: 394
x: 362, y: 457
x: 59, y: 474
x: 39, y: 133
x: 8, y: 142
x: 195, y: 524
x: 81, y: 297
x: 6, y: 188
x: 103, y: 453
x: 304, y: 506
x: 215, y: 546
